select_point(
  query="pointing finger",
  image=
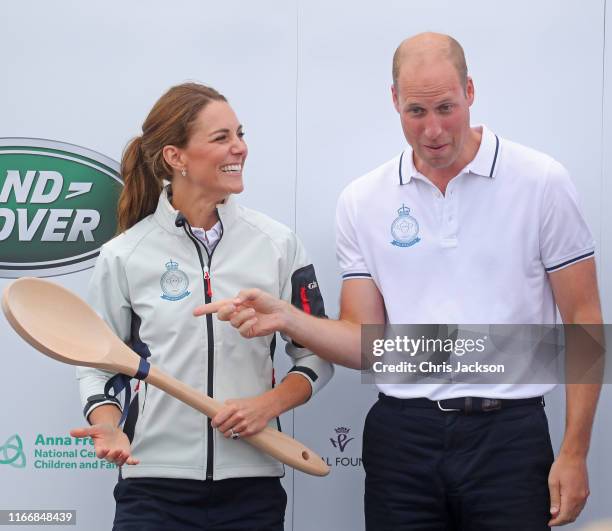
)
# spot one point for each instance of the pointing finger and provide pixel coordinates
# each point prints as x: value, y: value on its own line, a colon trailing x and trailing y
x: 211, y: 307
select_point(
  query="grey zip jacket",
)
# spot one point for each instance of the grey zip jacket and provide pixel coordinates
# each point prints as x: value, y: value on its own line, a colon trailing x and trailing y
x: 145, y: 285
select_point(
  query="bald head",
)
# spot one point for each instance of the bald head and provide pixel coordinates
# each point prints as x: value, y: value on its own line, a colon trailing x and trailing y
x: 426, y: 47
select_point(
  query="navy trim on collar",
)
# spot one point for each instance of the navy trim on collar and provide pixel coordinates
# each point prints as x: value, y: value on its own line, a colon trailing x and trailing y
x: 401, y: 176
x: 495, y: 157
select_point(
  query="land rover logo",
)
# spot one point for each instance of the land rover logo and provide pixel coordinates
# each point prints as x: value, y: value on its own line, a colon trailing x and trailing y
x: 57, y: 206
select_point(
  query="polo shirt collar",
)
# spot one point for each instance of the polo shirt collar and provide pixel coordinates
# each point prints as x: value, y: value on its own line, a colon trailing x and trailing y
x: 485, y: 161
x: 483, y: 164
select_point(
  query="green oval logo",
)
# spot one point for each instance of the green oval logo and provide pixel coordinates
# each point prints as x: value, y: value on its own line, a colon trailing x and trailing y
x: 58, y: 205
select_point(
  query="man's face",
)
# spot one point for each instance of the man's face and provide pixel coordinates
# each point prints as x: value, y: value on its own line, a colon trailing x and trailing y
x: 434, y: 111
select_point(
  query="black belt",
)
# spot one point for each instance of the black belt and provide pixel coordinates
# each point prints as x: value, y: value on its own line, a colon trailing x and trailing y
x: 464, y: 404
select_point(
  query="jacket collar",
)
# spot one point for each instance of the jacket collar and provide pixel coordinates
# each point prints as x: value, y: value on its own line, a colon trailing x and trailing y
x: 166, y: 215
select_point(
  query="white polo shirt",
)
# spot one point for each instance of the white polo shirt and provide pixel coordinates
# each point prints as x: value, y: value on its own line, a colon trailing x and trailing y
x: 480, y: 254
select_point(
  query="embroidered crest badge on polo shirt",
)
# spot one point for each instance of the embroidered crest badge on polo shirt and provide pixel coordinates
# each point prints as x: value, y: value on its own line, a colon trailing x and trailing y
x: 405, y: 229
x: 174, y: 283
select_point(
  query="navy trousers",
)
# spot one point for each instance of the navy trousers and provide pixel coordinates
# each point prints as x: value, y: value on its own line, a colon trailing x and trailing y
x: 161, y: 504
x: 429, y: 470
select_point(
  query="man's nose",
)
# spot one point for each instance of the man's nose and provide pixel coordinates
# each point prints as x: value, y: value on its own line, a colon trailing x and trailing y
x: 433, y: 127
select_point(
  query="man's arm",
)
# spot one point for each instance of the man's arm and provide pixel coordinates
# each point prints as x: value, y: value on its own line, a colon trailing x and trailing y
x: 256, y: 313
x: 577, y: 297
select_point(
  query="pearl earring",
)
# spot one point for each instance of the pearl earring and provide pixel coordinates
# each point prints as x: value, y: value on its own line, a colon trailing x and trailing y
x: 184, y: 172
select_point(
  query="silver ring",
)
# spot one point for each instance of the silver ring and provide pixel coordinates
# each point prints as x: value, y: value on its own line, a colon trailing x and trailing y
x: 235, y: 436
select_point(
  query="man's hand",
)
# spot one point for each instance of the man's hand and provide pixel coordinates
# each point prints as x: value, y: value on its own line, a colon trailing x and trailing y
x: 256, y: 313
x: 253, y: 312
x: 110, y: 443
x: 244, y: 416
x: 569, y: 489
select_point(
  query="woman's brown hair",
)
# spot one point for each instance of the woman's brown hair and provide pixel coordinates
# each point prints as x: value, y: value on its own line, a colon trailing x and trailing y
x: 143, y: 167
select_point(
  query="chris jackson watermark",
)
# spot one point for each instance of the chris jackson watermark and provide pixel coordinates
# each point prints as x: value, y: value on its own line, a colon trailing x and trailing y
x: 484, y: 353
x: 429, y: 347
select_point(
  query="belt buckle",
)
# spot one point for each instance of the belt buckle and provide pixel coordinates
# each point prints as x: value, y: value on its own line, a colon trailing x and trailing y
x: 443, y: 408
x: 491, y: 404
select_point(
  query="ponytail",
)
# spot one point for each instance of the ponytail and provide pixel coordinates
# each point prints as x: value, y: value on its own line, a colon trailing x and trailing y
x: 141, y: 188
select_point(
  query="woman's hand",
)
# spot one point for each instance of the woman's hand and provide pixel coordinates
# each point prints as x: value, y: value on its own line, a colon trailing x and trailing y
x: 110, y: 443
x: 244, y: 416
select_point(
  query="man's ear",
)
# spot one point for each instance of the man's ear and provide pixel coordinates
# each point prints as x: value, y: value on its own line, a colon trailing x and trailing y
x: 394, y: 96
x: 469, y: 90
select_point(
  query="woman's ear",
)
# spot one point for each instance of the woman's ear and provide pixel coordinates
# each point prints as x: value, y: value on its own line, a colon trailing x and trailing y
x: 173, y: 157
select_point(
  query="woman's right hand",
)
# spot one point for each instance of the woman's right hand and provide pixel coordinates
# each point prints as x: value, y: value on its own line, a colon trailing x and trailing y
x: 110, y: 443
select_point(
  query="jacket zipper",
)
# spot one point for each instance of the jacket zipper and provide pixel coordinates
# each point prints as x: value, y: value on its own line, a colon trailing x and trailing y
x: 209, y: 330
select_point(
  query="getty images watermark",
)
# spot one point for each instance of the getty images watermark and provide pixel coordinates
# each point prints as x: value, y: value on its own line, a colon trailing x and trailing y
x: 430, y: 346
x: 492, y: 354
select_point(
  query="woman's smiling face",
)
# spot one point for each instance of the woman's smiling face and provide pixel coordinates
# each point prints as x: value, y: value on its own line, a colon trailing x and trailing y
x: 215, y: 153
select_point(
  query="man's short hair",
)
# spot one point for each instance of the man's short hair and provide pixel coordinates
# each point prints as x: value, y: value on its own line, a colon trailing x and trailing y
x: 453, y: 52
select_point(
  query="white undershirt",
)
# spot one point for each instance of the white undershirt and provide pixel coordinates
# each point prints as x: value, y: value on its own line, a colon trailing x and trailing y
x: 209, y: 238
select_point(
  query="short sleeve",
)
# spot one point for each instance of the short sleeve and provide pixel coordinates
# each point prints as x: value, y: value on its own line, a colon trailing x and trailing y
x: 565, y: 237
x: 348, y: 252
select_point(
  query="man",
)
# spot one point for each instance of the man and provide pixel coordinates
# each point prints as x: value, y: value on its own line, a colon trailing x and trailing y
x: 484, y: 231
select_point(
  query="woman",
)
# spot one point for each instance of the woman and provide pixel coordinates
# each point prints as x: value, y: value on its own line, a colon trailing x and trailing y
x: 183, y: 244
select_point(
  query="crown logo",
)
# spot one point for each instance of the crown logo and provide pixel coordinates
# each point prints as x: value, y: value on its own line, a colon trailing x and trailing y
x: 342, y: 438
x: 171, y: 266
x: 404, y: 211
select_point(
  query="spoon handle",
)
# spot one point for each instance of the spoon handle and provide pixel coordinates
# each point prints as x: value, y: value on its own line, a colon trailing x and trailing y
x: 273, y: 442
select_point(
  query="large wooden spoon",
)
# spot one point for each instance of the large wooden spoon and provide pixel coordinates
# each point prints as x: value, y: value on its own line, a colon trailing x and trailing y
x: 59, y: 324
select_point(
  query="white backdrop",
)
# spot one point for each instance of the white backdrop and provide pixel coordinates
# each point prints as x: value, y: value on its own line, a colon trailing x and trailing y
x: 310, y: 82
